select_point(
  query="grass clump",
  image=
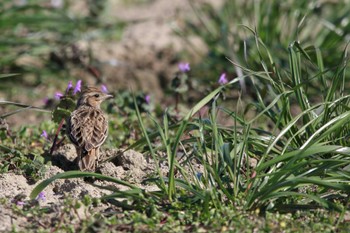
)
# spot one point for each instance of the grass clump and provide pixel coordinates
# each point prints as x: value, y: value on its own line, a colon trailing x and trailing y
x: 302, y: 161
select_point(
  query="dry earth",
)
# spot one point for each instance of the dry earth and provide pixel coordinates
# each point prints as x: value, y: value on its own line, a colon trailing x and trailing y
x: 130, y: 166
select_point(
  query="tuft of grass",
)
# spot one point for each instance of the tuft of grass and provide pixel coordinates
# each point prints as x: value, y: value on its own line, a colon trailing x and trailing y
x: 229, y: 32
x: 302, y: 162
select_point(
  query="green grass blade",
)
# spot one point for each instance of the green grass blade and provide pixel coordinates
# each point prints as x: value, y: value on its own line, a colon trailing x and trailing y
x: 76, y: 174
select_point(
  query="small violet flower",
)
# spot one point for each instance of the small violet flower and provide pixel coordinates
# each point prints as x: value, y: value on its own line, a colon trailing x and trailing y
x: 104, y: 89
x: 70, y: 86
x: 20, y: 203
x: 148, y: 99
x: 41, y: 197
x: 77, y: 87
x: 58, y: 95
x: 184, y: 67
x: 223, y: 80
x: 44, y: 134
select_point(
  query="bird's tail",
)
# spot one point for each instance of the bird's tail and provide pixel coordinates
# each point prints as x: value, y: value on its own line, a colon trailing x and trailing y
x: 87, y: 159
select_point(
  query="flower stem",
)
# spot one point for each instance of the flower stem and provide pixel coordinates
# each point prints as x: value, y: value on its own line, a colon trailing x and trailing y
x: 56, y: 136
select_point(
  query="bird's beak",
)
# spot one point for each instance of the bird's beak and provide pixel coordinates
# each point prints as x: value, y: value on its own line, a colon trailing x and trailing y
x: 108, y: 96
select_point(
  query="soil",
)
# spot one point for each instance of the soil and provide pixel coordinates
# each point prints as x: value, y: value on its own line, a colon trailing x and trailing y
x: 130, y: 166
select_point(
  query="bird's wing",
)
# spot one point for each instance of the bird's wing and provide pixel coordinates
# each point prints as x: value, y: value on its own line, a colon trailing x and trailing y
x: 88, y: 128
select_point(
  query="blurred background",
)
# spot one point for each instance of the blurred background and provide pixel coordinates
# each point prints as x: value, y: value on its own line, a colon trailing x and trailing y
x: 121, y: 44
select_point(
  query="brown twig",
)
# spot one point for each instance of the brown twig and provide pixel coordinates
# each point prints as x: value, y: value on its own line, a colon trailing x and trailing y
x: 56, y: 136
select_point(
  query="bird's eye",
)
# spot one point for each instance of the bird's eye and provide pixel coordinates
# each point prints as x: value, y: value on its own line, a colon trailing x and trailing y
x: 97, y: 95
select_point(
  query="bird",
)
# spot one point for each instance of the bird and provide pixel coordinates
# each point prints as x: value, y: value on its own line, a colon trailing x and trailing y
x: 87, y: 127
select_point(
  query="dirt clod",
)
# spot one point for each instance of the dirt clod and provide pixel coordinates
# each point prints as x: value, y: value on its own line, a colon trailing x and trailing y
x: 131, y: 160
x: 110, y: 169
x: 64, y: 157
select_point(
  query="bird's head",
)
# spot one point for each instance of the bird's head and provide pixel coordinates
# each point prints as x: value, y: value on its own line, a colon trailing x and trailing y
x: 93, y: 97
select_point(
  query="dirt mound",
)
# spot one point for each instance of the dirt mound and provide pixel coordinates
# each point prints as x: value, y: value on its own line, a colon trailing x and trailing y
x: 130, y: 166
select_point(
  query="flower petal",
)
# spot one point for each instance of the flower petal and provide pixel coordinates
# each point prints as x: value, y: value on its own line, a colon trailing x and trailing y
x: 104, y: 88
x: 44, y: 134
x: 184, y: 67
x: 148, y: 99
x: 77, y: 87
x: 70, y: 86
x: 58, y: 95
x: 223, y: 80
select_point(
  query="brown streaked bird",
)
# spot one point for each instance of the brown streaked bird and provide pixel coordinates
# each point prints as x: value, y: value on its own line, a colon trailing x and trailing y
x: 87, y: 127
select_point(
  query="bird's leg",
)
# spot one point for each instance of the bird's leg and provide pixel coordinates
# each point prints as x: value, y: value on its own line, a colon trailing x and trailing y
x: 87, y: 160
x: 97, y: 156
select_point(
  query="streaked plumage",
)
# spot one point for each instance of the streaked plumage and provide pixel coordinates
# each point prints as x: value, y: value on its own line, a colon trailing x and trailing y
x: 88, y: 127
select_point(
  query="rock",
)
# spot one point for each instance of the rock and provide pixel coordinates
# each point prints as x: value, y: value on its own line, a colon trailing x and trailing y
x: 110, y: 169
x: 12, y: 184
x: 8, y: 220
x: 51, y: 171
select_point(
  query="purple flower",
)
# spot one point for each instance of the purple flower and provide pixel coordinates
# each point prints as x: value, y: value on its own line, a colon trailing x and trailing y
x: 20, y: 203
x: 44, y: 134
x: 70, y: 86
x: 148, y: 99
x: 77, y: 87
x: 58, y: 95
x: 223, y: 80
x: 41, y: 196
x: 104, y: 88
x: 184, y: 67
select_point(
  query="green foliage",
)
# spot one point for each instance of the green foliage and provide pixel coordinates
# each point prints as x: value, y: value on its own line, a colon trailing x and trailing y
x: 226, y: 31
x: 72, y: 174
x: 23, y: 156
x: 64, y: 108
x: 301, y: 151
x: 124, y: 129
x: 79, y: 215
x: 179, y: 83
x: 39, y: 42
x: 301, y: 162
x: 22, y: 107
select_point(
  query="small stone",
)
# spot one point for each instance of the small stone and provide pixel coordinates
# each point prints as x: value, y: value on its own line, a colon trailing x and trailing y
x: 131, y: 159
x: 110, y: 169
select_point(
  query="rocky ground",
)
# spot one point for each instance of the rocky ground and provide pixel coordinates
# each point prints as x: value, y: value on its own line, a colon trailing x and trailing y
x: 130, y: 166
